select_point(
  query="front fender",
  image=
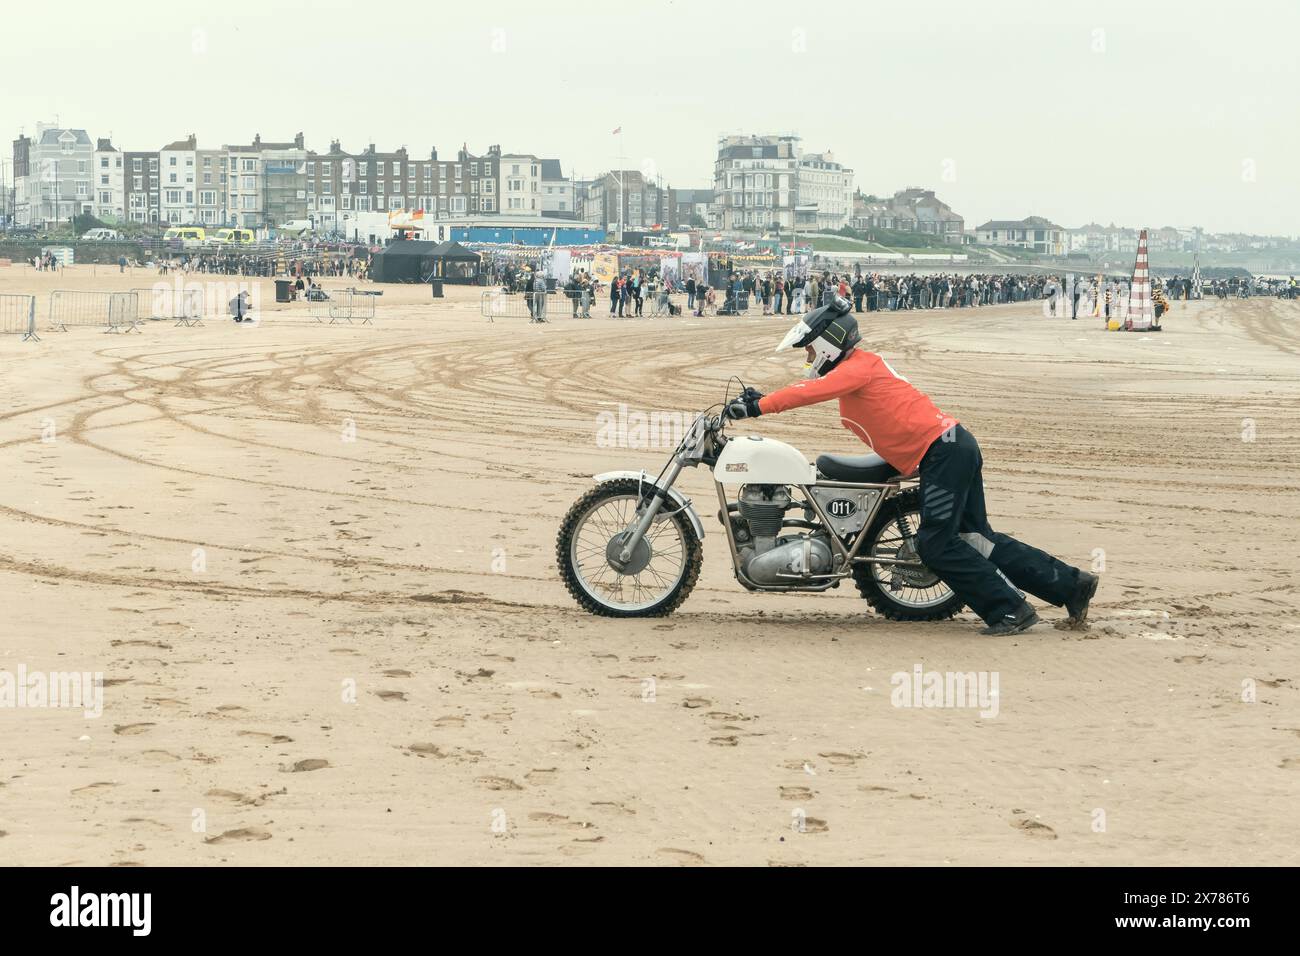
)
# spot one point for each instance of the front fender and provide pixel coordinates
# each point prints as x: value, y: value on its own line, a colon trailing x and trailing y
x: 675, y: 496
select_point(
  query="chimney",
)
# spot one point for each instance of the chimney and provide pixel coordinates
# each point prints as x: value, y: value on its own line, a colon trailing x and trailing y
x: 433, y: 154
x: 298, y: 141
x: 335, y: 147
x: 257, y: 141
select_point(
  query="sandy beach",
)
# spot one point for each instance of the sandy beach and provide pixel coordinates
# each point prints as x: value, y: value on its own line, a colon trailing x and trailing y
x: 315, y: 565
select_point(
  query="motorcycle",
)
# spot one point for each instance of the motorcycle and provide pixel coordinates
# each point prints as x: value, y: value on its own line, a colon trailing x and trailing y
x: 632, y: 546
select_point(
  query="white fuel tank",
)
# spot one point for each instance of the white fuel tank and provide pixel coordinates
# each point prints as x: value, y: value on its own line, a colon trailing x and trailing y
x: 752, y: 460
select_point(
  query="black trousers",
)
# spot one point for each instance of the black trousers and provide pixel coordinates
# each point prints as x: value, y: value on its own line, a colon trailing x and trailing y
x: 956, y: 542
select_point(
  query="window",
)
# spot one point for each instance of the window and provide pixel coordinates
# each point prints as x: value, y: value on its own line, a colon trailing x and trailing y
x: 457, y: 203
x: 171, y: 160
x: 428, y: 170
x: 473, y: 169
x: 137, y: 182
x: 249, y: 165
x: 103, y: 162
x: 137, y: 165
x: 311, y: 169
x: 250, y: 202
x: 397, y: 168
x: 207, y: 199
x: 189, y: 197
x: 103, y: 180
x: 364, y: 190
x: 173, y: 196
x: 207, y: 179
x: 379, y: 187
x: 326, y: 186
x: 363, y: 169
x: 153, y: 164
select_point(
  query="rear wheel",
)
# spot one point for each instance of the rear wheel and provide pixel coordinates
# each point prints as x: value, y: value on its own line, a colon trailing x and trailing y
x: 661, y: 572
x: 902, y: 593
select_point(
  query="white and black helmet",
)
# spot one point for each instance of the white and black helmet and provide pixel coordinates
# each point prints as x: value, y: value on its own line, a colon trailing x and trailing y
x: 832, y: 332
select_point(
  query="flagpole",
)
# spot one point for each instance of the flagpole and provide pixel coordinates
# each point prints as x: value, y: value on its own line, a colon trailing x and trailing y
x: 621, y: 163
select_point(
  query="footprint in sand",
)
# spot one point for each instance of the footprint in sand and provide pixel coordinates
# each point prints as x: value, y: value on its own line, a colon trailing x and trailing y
x: 694, y: 703
x: 244, y: 799
x: 390, y: 694
x: 796, y: 793
x: 97, y: 785
x: 728, y: 741
x: 841, y: 759
x: 541, y: 776
x: 130, y: 730
x: 1034, y: 829
x: 812, y: 825
x: 268, y: 738
x: 559, y: 820
x: 242, y: 835
x: 498, y: 783
x: 427, y: 750
x: 303, y: 766
x: 612, y: 805
x: 450, y: 721
x: 397, y: 672
x: 683, y: 857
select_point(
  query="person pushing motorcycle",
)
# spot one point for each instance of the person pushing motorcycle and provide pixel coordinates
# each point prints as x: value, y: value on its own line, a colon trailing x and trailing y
x: 900, y: 423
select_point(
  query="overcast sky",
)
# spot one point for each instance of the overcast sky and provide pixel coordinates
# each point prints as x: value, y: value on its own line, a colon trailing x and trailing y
x: 1142, y: 113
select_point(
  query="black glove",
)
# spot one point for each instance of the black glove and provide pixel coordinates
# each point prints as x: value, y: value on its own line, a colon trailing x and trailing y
x: 745, y: 405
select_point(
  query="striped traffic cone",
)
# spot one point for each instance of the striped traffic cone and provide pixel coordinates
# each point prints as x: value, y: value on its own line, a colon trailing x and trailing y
x: 1140, y: 313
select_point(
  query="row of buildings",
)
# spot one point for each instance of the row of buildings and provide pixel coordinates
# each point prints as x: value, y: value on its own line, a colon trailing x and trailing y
x: 60, y: 173
x: 760, y: 183
x: 1040, y: 235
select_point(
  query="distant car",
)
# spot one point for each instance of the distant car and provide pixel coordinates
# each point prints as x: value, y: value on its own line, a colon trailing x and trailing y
x: 187, y: 236
x: 101, y: 235
x: 234, y: 237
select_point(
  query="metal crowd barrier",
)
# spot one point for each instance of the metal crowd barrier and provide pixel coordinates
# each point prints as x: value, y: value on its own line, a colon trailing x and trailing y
x: 120, y: 311
x: 344, y: 305
x: 186, y: 306
x: 18, y: 316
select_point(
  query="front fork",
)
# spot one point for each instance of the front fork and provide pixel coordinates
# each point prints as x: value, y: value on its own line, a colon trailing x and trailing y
x: 648, y: 515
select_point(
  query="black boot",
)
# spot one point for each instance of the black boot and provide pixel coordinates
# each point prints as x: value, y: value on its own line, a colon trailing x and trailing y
x: 1077, y: 604
x: 1024, y: 618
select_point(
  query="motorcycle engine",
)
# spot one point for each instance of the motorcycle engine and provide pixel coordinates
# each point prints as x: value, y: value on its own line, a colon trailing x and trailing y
x: 762, y: 508
x: 767, y: 556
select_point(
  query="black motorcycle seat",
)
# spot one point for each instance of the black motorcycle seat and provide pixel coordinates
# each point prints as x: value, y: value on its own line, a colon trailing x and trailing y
x: 864, y: 469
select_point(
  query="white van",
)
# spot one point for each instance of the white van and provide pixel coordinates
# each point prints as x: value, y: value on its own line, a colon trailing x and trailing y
x: 101, y: 235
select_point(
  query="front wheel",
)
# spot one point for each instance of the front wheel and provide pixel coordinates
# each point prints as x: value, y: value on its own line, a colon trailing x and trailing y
x: 661, y: 572
x: 902, y: 593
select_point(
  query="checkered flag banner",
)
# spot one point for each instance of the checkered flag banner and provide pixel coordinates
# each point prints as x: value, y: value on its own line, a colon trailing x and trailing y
x: 1141, y: 314
x: 1196, y: 276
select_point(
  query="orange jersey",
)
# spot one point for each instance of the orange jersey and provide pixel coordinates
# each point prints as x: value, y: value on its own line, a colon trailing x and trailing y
x: 877, y: 404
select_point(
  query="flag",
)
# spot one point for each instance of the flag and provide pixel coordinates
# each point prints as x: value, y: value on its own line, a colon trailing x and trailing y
x: 617, y: 131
